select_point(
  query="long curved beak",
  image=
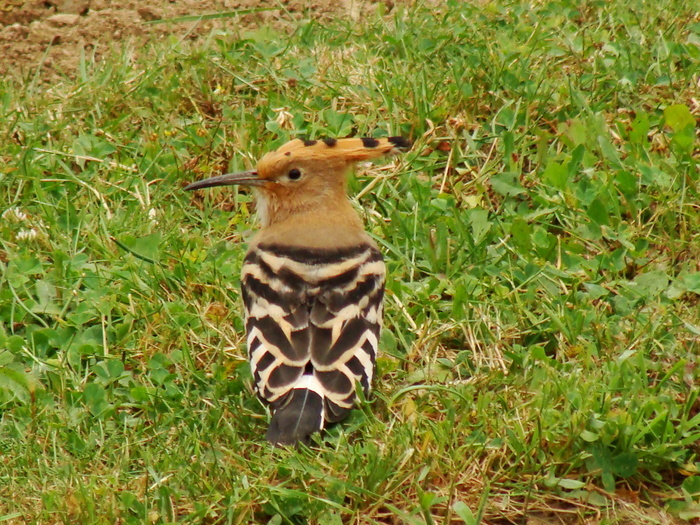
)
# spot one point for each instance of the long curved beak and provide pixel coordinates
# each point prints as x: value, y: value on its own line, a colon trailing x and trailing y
x: 246, y: 178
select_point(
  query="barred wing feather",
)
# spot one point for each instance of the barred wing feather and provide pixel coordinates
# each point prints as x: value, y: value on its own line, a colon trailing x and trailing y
x: 313, y: 318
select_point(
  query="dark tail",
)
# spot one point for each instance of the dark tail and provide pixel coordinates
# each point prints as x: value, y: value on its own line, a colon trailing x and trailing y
x: 297, y: 419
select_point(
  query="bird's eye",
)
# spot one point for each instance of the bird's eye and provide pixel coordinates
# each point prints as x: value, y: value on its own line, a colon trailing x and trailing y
x: 294, y: 174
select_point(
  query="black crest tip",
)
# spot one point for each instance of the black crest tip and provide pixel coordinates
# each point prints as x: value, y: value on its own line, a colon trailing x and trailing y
x: 369, y: 142
x: 400, y: 142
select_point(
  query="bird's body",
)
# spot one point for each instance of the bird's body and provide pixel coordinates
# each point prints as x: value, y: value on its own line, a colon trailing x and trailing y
x: 312, y: 284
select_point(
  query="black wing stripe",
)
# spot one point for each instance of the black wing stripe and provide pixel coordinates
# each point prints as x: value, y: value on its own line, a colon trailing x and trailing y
x: 256, y: 267
x: 321, y: 314
x: 316, y: 256
x: 333, y: 270
x: 298, y: 318
x: 253, y: 344
x: 370, y: 349
x: 336, y: 382
x: 368, y: 288
x: 334, y: 412
x: 347, y: 340
x: 355, y: 366
x: 258, y: 289
x: 265, y: 361
x: 274, y: 335
x: 300, y: 340
x: 342, y: 279
x: 291, y: 279
x: 321, y: 339
x: 248, y: 298
x: 284, y: 375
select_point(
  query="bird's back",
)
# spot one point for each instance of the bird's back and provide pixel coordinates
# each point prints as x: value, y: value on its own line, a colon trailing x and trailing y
x: 313, y: 303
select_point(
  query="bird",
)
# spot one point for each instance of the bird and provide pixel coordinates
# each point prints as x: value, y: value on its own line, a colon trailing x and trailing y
x: 312, y: 283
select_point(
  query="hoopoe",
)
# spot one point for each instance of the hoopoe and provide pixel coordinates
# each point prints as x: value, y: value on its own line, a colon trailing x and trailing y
x: 312, y: 283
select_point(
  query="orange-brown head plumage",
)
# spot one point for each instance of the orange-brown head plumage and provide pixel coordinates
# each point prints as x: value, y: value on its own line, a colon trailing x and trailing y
x: 307, y: 176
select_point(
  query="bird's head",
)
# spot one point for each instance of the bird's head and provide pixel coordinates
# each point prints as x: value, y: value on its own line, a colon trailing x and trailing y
x: 305, y: 175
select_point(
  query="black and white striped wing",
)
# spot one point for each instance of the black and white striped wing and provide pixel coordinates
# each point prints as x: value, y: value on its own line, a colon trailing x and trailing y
x: 345, y: 322
x: 313, y: 319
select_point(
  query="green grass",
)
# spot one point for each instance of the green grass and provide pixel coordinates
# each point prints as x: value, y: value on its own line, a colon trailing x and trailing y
x: 541, y: 356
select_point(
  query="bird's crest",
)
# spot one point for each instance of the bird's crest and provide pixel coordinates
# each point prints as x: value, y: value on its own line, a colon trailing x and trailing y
x: 334, y: 152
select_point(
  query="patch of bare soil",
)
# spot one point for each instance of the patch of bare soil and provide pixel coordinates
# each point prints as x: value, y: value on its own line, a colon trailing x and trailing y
x: 52, y: 34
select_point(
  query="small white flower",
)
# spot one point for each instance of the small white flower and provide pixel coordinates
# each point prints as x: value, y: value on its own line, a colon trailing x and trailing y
x: 284, y: 117
x: 14, y: 214
x: 27, y: 235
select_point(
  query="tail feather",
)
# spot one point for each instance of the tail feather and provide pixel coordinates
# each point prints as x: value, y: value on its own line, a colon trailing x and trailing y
x: 300, y: 417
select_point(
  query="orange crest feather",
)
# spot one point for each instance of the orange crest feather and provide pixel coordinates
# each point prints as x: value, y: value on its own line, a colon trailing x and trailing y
x: 332, y: 151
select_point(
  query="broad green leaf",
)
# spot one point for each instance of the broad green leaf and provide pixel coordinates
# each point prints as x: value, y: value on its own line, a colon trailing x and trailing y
x: 338, y: 123
x: 146, y: 247
x: 140, y: 394
x: 590, y: 437
x: 598, y: 213
x: 627, y: 182
x: 609, y: 151
x: 15, y: 381
x: 507, y: 184
x: 330, y: 517
x: 576, y: 159
x: 93, y: 393
x: 16, y: 343
x: 577, y: 131
x: 459, y: 299
x: 540, y: 237
x: 625, y: 464
x: 522, y: 234
x: 678, y: 117
x: 115, y: 367
x: 464, y: 512
x: 652, y: 283
x: 608, y: 481
x: 6, y: 357
x: 556, y: 174
x: 640, y: 128
x: 480, y: 225
x: 692, y: 486
x: 692, y: 282
x: 595, y: 291
x: 45, y: 291
x: 571, y: 484
x: 682, y: 122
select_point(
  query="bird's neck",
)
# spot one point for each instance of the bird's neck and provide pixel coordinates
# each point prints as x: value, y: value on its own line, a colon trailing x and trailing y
x: 307, y: 213
x: 323, y: 227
